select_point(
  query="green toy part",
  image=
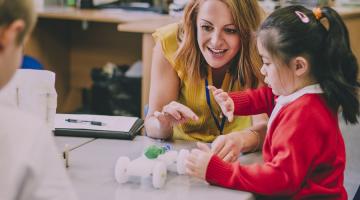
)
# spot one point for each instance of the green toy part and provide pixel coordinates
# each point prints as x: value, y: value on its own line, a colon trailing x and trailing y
x: 153, y: 151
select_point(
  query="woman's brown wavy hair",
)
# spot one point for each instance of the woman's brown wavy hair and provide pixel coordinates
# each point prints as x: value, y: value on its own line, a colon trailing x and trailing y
x: 247, y: 16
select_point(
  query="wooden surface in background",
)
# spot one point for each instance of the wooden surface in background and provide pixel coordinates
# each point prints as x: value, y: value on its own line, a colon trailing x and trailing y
x: 49, y: 43
x: 70, y: 51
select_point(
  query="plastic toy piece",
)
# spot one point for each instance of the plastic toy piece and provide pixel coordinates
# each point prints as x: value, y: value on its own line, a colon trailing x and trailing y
x: 154, y: 151
x: 156, y: 168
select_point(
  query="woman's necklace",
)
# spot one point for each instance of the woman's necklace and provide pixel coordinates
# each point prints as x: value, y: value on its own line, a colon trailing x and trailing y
x: 219, y: 124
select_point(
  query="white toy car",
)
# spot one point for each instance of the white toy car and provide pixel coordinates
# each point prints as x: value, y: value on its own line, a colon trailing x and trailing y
x: 157, y: 167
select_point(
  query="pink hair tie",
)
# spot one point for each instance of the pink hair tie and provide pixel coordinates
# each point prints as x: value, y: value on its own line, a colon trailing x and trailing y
x: 305, y: 19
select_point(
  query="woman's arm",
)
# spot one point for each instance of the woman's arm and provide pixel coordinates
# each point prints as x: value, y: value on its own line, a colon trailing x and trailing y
x: 254, y: 137
x: 164, y: 88
x: 164, y: 111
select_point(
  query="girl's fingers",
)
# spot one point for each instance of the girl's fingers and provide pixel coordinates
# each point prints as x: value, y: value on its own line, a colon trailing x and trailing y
x: 203, y: 147
x: 228, y: 110
x: 224, y: 101
x: 190, y: 171
x: 218, y: 92
x: 212, y: 88
x: 230, y: 115
x: 194, y: 154
x: 190, y: 164
x: 223, y: 96
x: 191, y: 158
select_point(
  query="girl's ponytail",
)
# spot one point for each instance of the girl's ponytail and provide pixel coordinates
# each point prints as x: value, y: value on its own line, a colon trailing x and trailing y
x: 339, y: 79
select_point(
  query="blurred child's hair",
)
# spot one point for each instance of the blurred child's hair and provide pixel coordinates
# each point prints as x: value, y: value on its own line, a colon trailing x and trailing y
x: 324, y: 41
x: 11, y: 10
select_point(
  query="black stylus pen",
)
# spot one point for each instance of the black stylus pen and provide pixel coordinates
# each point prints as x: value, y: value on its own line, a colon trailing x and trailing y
x: 96, y: 123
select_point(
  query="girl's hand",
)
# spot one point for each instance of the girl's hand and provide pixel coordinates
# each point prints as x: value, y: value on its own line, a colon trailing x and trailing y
x: 225, y: 102
x: 198, y: 160
x: 175, y: 113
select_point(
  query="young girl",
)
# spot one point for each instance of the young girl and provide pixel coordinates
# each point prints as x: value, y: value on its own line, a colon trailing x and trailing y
x: 312, y: 74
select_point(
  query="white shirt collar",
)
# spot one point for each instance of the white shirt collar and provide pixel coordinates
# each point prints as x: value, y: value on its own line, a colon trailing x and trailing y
x: 281, y: 101
x: 310, y: 89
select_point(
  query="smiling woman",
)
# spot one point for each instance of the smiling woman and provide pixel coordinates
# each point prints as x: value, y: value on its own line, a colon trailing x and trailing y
x: 213, y: 45
x: 218, y: 37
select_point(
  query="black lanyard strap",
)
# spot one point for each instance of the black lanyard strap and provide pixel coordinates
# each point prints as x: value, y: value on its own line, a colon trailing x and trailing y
x: 220, y: 126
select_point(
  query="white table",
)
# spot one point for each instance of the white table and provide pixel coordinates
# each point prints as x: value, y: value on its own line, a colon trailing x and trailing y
x: 92, y: 172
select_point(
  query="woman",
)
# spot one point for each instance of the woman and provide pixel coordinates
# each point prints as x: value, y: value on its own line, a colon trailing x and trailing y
x: 213, y: 45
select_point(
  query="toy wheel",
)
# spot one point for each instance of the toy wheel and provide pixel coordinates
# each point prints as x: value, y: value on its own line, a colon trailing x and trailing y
x: 121, y: 168
x: 159, y: 175
x: 180, y: 161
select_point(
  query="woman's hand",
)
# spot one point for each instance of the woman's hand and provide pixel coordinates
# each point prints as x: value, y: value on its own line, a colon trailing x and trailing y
x: 198, y: 160
x: 175, y: 113
x: 225, y: 102
x: 228, y: 147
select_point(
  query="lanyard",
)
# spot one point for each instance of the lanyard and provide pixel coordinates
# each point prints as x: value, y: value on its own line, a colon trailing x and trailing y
x: 220, y: 126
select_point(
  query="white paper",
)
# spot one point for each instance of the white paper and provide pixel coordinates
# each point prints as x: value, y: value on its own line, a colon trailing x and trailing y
x: 32, y: 91
x: 111, y: 123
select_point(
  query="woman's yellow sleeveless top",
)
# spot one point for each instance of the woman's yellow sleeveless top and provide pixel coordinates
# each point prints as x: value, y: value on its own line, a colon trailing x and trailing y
x: 194, y: 96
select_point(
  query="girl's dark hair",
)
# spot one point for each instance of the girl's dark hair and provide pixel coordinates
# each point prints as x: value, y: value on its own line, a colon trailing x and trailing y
x: 286, y: 33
